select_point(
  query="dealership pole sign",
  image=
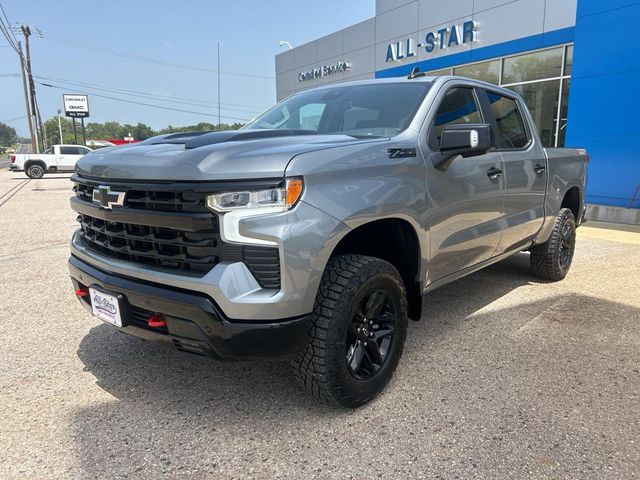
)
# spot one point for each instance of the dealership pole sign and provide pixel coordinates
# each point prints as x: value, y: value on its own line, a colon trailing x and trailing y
x: 441, y: 39
x: 76, y: 106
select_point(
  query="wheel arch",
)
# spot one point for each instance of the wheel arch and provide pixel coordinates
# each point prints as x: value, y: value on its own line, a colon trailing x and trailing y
x: 396, y: 241
x: 35, y: 161
x: 573, y: 201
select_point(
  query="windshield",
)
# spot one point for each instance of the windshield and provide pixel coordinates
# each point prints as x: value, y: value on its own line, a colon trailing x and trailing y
x: 367, y: 110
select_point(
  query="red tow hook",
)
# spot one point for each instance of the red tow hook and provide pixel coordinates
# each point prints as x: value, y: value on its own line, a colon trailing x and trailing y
x: 156, y: 321
x: 82, y: 292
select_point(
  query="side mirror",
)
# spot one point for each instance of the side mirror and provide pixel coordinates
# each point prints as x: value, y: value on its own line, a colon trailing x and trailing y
x: 466, y: 140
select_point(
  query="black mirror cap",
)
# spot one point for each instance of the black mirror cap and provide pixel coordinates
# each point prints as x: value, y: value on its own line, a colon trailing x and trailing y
x: 464, y: 139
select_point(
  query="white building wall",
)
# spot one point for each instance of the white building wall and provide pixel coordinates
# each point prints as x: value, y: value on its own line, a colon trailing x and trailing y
x: 364, y: 45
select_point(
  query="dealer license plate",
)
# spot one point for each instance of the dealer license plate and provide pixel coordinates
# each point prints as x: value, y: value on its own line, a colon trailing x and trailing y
x: 105, y: 307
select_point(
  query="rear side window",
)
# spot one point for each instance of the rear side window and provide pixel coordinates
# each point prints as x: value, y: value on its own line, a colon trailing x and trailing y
x: 509, y: 122
x: 458, y: 106
x: 69, y: 151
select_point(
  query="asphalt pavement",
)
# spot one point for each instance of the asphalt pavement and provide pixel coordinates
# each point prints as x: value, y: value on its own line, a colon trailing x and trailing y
x: 505, y: 377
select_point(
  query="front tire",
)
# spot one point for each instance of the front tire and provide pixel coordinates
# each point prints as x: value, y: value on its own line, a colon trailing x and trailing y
x: 552, y: 260
x: 35, y: 171
x: 358, y: 332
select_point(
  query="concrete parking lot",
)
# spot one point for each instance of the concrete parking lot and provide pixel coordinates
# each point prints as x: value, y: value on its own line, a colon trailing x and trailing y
x: 505, y: 377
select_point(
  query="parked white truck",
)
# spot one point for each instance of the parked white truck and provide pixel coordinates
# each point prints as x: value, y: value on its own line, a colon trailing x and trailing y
x: 57, y: 158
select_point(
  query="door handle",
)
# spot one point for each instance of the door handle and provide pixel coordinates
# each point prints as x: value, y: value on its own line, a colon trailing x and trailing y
x: 539, y: 169
x: 494, y: 173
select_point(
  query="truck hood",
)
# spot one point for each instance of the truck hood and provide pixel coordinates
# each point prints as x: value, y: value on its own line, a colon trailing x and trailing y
x: 228, y: 155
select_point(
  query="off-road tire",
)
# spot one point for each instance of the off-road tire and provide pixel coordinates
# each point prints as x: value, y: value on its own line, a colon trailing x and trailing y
x: 321, y: 366
x: 552, y: 260
x: 35, y: 171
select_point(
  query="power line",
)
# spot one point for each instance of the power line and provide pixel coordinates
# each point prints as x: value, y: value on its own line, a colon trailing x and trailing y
x: 5, y: 28
x: 68, y: 41
x: 164, y: 98
x: 148, y: 104
x: 6, y: 19
x: 13, y: 119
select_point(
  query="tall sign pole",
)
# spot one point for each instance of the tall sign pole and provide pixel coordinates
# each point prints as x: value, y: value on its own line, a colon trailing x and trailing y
x: 84, y: 133
x: 219, y: 123
x: 60, y: 127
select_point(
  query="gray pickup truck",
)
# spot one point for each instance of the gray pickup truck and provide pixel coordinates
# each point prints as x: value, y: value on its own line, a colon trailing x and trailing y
x: 313, y: 232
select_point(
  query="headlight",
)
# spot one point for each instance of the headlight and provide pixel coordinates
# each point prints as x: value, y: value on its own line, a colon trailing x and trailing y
x: 234, y: 206
x: 282, y: 198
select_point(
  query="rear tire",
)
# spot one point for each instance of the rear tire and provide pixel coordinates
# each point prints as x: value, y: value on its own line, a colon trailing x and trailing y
x: 35, y: 171
x: 552, y: 260
x: 358, y: 332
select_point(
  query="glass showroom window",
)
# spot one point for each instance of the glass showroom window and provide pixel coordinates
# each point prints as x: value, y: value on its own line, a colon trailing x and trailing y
x: 542, y: 100
x: 486, y: 71
x: 541, y: 77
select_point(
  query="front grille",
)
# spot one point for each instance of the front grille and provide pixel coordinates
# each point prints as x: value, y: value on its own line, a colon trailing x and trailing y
x: 180, y: 233
x: 163, y: 247
x: 168, y: 201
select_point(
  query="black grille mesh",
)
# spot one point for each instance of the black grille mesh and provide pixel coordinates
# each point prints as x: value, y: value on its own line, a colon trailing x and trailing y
x: 168, y: 247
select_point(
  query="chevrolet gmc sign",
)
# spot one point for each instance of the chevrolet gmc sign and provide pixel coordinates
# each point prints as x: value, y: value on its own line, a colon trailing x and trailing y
x: 76, y: 105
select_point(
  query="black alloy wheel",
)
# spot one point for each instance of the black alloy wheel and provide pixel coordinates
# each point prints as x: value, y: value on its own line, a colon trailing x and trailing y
x: 370, y: 335
x: 567, y: 244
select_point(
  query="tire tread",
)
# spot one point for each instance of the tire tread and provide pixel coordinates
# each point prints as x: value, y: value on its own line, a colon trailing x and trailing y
x: 310, y: 366
x: 545, y: 257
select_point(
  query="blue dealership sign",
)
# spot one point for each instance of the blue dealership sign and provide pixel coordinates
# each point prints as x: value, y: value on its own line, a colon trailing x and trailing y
x: 441, y: 39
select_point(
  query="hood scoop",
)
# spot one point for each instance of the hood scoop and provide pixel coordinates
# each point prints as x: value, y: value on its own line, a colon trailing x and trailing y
x: 192, y: 140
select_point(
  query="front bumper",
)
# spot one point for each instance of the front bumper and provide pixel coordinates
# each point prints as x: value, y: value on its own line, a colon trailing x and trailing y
x: 195, y: 323
x: 305, y: 236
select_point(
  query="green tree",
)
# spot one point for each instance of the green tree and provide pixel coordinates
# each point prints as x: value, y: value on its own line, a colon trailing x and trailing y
x: 201, y: 127
x: 142, y: 131
x: 116, y: 130
x: 53, y: 132
x: 8, y: 135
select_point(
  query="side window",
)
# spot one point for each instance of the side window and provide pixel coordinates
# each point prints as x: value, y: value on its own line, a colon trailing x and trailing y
x: 511, y: 130
x: 458, y: 106
x: 68, y: 151
x: 83, y: 151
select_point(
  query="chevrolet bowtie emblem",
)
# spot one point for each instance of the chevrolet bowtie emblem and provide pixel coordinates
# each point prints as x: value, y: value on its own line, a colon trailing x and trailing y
x: 104, y: 197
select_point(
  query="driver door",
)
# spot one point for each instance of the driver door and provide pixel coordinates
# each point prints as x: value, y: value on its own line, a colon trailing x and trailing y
x: 465, y: 197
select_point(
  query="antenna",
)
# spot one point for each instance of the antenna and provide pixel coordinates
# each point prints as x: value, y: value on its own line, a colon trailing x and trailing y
x: 415, y: 73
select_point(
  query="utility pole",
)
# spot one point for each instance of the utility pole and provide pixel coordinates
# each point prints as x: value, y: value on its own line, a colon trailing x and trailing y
x: 26, y: 98
x: 60, y: 127
x: 26, y: 31
x: 219, y: 123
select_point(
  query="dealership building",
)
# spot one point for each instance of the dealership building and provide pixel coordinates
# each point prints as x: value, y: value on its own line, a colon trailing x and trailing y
x: 575, y: 62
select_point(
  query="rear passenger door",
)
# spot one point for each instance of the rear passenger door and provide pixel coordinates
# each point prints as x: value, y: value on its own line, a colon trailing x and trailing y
x: 465, y: 199
x: 525, y: 173
x: 69, y: 155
